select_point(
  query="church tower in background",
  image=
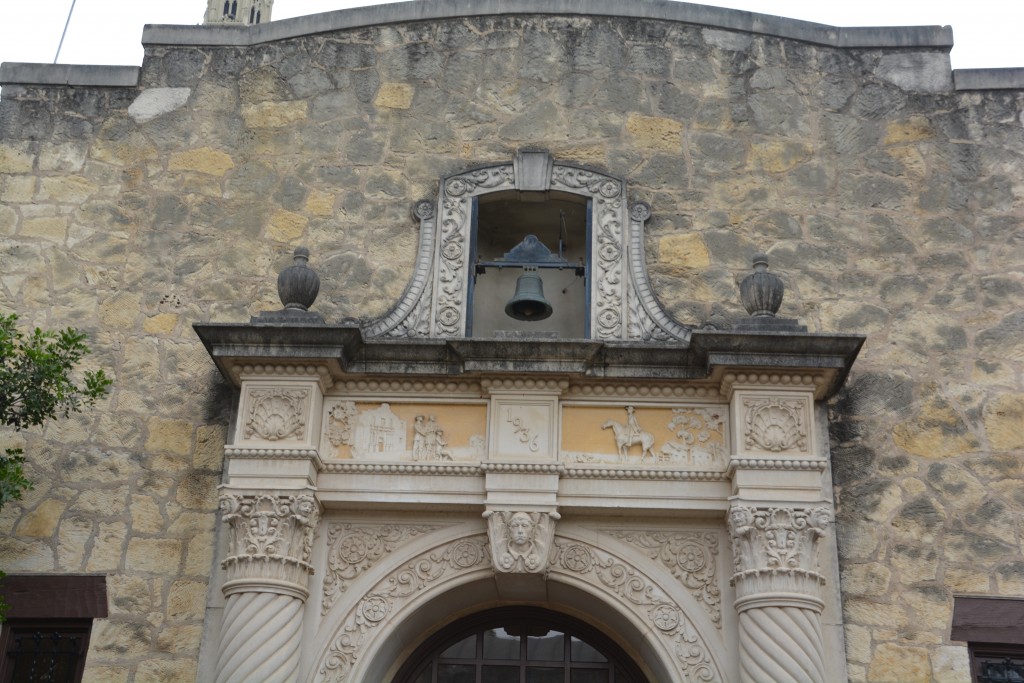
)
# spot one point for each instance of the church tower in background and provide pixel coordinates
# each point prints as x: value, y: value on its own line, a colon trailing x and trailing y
x: 245, y: 12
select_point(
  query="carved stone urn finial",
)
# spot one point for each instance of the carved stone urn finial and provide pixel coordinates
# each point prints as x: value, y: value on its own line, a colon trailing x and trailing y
x: 761, y: 291
x: 298, y: 284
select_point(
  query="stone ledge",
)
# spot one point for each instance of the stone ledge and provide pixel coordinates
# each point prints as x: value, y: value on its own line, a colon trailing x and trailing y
x: 989, y: 79
x: 711, y: 17
x: 25, y: 73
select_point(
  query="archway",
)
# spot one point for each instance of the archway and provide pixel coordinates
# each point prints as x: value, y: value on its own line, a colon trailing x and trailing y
x: 514, y: 644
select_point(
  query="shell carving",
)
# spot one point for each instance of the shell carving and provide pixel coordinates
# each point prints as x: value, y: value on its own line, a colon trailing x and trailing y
x: 276, y: 414
x: 775, y: 425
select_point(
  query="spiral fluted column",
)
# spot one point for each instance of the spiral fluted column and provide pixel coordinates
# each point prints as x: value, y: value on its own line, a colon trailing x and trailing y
x: 778, y: 593
x: 270, y: 537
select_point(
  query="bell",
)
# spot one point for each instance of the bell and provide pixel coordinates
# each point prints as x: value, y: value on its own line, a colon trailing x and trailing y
x: 528, y: 303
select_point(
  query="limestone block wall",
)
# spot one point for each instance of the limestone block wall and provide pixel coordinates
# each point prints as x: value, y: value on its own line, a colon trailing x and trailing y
x: 891, y: 205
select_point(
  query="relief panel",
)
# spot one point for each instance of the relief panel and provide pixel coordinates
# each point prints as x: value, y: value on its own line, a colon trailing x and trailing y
x: 681, y: 437
x: 276, y: 414
x: 774, y: 424
x: 523, y: 428
x: 414, y: 432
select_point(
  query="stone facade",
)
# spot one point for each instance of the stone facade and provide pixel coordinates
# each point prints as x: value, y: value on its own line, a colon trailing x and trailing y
x: 890, y: 202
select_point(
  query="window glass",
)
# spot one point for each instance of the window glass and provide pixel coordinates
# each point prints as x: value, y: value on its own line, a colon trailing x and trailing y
x: 548, y: 648
x: 501, y: 674
x: 499, y: 644
x: 546, y: 674
x: 456, y: 673
x: 464, y: 649
x: 590, y: 676
x: 584, y: 652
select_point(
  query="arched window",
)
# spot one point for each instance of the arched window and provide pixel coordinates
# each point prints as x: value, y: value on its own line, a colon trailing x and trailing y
x: 510, y: 645
x: 258, y: 13
x: 252, y: 15
x: 227, y: 7
x: 234, y: 9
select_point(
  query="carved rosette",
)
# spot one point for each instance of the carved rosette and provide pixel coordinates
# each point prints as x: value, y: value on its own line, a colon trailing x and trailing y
x: 270, y: 537
x: 778, y: 591
x: 354, y: 549
x: 691, y: 556
x: 276, y: 414
x: 520, y: 541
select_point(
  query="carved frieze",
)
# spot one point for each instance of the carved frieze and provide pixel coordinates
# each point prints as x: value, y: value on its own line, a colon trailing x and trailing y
x: 405, y: 431
x: 352, y: 549
x: 637, y: 591
x: 270, y: 536
x: 680, y: 437
x: 775, y: 424
x: 276, y: 414
x: 391, y: 593
x: 520, y: 541
x: 691, y: 556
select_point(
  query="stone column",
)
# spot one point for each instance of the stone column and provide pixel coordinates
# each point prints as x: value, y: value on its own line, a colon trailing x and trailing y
x: 270, y: 536
x: 778, y: 592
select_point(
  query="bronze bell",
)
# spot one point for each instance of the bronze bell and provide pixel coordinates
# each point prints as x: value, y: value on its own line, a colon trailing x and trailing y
x: 528, y: 303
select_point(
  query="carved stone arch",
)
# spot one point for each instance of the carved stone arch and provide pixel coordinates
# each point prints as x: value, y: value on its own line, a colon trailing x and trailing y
x: 623, y: 304
x: 375, y: 635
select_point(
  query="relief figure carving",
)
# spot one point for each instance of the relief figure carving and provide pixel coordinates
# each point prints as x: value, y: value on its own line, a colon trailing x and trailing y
x: 630, y: 434
x: 520, y: 541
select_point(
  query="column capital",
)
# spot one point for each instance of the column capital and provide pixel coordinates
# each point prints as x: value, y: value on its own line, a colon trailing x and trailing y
x: 775, y: 554
x: 270, y: 537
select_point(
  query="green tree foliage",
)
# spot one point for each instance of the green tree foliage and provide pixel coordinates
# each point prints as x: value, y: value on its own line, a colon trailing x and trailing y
x: 36, y: 385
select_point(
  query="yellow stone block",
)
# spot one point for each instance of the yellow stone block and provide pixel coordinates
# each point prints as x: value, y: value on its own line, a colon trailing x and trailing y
x: 106, y: 674
x: 146, y: 515
x: 654, y: 132
x: 8, y: 220
x: 286, y: 226
x: 67, y: 189
x: 120, y: 309
x: 1004, y: 422
x: 684, y: 251
x: 779, y: 156
x: 936, y: 432
x: 274, y: 114
x: 124, y: 151
x: 161, y: 323
x: 203, y: 160
x: 320, y: 203
x: 186, y: 600
x: 908, y: 130
x: 394, y: 96
x: 158, y: 555
x: 53, y: 228
x: 209, y: 453
x: 17, y: 189
x: 15, y: 159
x: 899, y: 664
x: 171, y: 436
x: 42, y: 522
x: 107, y: 548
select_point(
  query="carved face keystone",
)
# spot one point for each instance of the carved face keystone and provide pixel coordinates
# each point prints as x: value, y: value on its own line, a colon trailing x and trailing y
x: 520, y: 529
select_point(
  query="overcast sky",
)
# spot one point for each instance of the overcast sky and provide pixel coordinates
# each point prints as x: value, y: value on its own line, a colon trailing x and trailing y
x: 987, y: 33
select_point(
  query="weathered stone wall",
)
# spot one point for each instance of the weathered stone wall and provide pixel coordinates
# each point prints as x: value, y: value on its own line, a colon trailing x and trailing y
x: 890, y: 204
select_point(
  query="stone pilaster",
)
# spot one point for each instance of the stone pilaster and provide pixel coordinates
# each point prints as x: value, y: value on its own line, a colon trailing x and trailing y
x: 778, y: 592
x: 270, y: 536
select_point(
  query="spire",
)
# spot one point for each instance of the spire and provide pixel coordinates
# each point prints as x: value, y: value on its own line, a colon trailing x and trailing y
x: 241, y: 12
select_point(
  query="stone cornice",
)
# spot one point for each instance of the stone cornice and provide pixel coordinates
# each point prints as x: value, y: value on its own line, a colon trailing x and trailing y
x: 910, y: 37
x: 708, y: 356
